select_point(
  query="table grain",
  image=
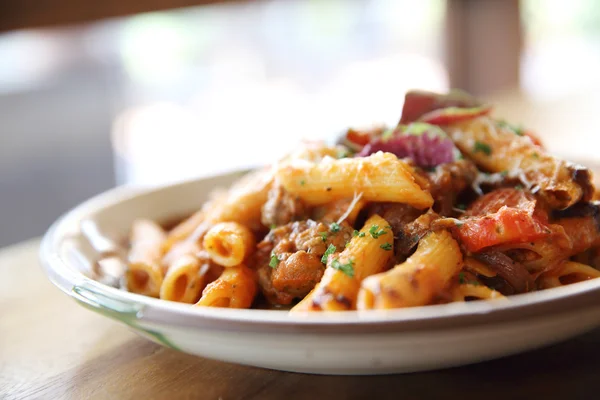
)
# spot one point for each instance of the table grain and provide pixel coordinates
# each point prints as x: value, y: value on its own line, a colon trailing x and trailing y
x: 51, y: 348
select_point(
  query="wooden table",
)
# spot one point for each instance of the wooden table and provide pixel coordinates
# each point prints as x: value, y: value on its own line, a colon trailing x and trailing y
x: 50, y: 348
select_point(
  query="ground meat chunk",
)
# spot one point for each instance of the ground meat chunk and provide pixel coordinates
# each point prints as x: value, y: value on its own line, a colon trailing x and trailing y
x: 447, y: 181
x: 297, y: 274
x: 396, y: 214
x: 407, y: 238
x: 281, y: 208
x: 298, y: 248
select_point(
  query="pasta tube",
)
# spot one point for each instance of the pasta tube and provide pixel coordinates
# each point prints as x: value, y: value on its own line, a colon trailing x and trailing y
x: 244, y: 201
x: 469, y: 290
x: 416, y: 281
x: 235, y: 288
x: 368, y: 253
x: 183, y: 281
x: 229, y: 243
x: 566, y: 273
x: 498, y: 149
x: 144, y: 273
x: 380, y: 177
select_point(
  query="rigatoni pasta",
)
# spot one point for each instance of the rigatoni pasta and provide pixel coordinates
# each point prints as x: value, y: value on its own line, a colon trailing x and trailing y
x: 452, y: 204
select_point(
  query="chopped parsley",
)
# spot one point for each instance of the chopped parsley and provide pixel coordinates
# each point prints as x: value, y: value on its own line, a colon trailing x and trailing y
x: 302, y: 182
x: 357, y: 233
x: 273, y: 226
x: 330, y: 250
x: 274, y: 261
x: 376, y: 232
x: 516, y: 129
x: 474, y: 283
x: 482, y: 147
x: 519, y: 187
x: 323, y: 236
x: 461, y: 206
x: 459, y: 224
x: 347, y: 245
x: 386, y: 246
x: 347, y: 268
x: 504, y: 173
x: 342, y: 153
x: 535, y: 155
x: 461, y: 277
x: 334, y: 227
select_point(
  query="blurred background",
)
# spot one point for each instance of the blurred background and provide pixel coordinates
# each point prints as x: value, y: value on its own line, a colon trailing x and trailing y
x: 95, y: 94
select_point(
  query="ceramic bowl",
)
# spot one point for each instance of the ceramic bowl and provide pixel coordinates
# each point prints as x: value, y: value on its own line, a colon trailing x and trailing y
x: 369, y: 342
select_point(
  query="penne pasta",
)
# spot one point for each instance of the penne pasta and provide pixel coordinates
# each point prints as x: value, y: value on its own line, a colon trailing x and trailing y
x: 418, y: 280
x: 465, y: 291
x: 244, y: 201
x: 229, y: 243
x: 184, y: 280
x: 368, y: 253
x: 498, y: 149
x: 235, y: 288
x: 179, y: 249
x: 379, y: 177
x: 144, y: 273
x: 566, y: 273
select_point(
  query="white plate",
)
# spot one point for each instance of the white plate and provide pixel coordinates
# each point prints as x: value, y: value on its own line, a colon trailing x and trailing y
x: 372, y: 342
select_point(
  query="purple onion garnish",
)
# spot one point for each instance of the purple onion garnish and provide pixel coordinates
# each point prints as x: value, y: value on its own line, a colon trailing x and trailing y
x: 426, y: 145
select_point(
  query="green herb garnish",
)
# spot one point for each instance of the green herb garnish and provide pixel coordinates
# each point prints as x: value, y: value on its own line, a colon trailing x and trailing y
x: 273, y: 226
x: 323, y: 236
x: 516, y: 129
x: 535, y: 155
x: 386, y: 246
x: 334, y: 227
x: 461, y: 277
x: 376, y: 232
x: 482, y: 147
x: 347, y: 268
x: 330, y: 250
x: 342, y: 153
x: 504, y: 173
x: 302, y: 182
x: 274, y: 261
x: 355, y: 233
